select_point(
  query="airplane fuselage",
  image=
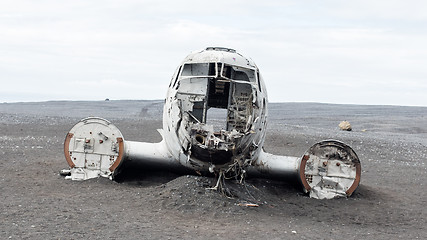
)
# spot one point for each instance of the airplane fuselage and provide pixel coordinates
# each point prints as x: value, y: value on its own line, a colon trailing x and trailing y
x: 215, y: 79
x: 215, y: 83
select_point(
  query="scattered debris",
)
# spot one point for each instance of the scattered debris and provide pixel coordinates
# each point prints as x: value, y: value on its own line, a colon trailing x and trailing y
x: 248, y: 205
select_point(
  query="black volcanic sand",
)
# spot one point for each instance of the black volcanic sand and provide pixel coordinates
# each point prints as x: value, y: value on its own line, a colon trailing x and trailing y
x: 37, y: 203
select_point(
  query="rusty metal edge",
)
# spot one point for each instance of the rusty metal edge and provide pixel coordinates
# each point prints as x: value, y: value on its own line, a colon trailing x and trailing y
x: 120, y: 157
x: 302, y: 172
x: 356, y: 181
x: 67, y: 150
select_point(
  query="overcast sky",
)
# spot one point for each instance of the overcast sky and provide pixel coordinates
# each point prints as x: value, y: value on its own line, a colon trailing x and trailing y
x: 358, y: 52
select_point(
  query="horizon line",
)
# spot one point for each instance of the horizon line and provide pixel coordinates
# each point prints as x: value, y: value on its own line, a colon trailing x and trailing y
x: 271, y: 102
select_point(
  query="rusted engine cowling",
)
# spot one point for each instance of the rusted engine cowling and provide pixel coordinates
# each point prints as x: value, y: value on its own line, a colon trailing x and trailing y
x: 93, y: 147
x: 329, y: 169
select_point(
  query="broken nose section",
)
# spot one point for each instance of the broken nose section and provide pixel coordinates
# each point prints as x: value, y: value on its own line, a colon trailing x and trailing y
x: 93, y: 147
x: 217, y: 148
x: 329, y: 169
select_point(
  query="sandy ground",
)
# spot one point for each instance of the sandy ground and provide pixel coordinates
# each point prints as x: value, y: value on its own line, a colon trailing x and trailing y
x: 37, y: 203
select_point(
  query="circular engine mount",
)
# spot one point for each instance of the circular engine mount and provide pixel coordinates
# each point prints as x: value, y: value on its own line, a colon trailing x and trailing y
x: 330, y: 169
x: 93, y: 147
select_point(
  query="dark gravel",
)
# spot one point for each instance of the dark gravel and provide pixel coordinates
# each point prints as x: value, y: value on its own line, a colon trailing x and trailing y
x: 37, y: 203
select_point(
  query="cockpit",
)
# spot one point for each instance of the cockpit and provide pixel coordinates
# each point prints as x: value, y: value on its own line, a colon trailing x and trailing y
x: 221, y: 86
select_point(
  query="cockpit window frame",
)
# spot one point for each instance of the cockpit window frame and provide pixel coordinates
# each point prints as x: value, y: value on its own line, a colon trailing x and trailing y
x: 178, y: 74
x: 219, y: 68
x: 236, y: 68
x: 202, y: 75
x: 258, y: 80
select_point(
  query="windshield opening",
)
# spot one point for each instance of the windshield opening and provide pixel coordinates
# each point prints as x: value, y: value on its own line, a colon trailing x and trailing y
x: 199, y: 69
x: 237, y: 73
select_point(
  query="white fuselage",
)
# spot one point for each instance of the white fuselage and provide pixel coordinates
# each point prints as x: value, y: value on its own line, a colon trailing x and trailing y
x: 215, y: 79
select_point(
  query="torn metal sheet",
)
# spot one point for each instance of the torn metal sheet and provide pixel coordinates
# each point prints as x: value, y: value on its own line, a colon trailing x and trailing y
x: 212, y: 80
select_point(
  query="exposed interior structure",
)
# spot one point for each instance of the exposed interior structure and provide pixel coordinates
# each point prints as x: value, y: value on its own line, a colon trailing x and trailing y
x: 220, y: 86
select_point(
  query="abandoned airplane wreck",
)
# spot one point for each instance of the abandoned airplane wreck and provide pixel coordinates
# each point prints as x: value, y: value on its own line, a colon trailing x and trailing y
x: 223, y: 80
